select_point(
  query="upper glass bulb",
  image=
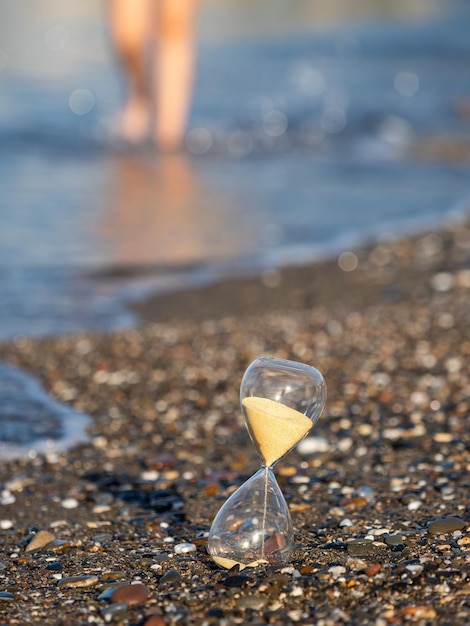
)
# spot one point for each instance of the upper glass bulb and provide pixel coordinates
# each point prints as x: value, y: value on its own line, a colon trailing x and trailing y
x: 280, y: 400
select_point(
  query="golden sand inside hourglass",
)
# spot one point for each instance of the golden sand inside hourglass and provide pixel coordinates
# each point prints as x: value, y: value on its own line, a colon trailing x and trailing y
x: 274, y: 427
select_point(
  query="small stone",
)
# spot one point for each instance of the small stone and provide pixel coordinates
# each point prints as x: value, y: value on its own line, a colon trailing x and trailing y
x: 6, y: 596
x: 131, y: 595
x: 345, y: 523
x: 337, y: 570
x: 155, y: 620
x: 184, y: 548
x: 394, y: 540
x: 360, y: 547
x: 313, y: 445
x: 108, y: 592
x: 84, y: 580
x: 59, y: 545
x: 112, y: 575
x: 355, y: 564
x: 414, y: 505
x: 114, y: 610
x: 6, y: 524
x: 101, y: 508
x: 365, y: 492
x: 40, y: 540
x: 373, y: 570
x: 446, y: 525
x: 414, y: 568
x: 170, y: 577
x: 238, y: 580
x: 70, y: 503
x: 255, y: 603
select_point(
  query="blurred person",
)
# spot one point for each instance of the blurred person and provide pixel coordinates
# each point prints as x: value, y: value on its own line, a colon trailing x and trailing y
x: 155, y: 43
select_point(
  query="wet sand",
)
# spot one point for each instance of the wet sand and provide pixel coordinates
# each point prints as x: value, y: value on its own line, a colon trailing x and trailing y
x: 378, y: 491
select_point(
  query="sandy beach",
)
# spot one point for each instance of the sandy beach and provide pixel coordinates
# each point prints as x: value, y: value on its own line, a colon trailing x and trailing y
x: 378, y: 492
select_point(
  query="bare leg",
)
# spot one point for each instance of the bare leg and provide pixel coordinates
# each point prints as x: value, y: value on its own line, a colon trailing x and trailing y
x: 130, y: 32
x: 174, y: 70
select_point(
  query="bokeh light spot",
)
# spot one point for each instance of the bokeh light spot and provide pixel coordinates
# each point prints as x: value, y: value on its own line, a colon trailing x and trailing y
x: 81, y: 101
x: 407, y: 84
x: 308, y: 79
x: 333, y: 120
x: 348, y: 261
x: 199, y: 140
x: 275, y: 123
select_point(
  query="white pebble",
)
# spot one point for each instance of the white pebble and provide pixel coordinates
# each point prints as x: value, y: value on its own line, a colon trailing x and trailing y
x: 7, y: 499
x: 297, y: 592
x: 156, y: 566
x: 345, y: 522
x: 337, y: 570
x: 443, y: 281
x: 414, y: 568
x: 311, y: 445
x: 69, y: 503
x: 184, y: 548
x: 6, y: 524
x: 414, y: 505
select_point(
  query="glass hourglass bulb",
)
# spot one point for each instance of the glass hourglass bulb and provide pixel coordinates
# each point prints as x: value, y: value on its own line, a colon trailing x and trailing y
x: 280, y: 400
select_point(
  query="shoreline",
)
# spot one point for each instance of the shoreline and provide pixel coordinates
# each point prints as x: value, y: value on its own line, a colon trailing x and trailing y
x: 378, y: 492
x: 382, y: 269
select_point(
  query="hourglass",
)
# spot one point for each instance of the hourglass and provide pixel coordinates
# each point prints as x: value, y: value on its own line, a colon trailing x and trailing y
x: 280, y: 400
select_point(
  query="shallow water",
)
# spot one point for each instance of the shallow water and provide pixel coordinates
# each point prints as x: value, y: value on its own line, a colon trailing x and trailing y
x: 31, y: 422
x: 300, y: 146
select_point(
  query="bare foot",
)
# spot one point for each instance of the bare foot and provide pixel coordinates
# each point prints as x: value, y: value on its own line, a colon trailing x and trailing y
x: 133, y: 124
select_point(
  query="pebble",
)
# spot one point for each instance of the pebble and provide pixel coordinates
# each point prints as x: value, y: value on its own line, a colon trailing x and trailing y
x: 108, y: 592
x: 40, y: 540
x: 337, y: 570
x: 239, y: 580
x: 313, y: 445
x: 84, y: 580
x: 55, y: 566
x: 345, y: 522
x: 184, y: 548
x: 6, y: 596
x: 118, y: 609
x: 6, y: 524
x: 131, y: 595
x: 414, y: 568
x: 359, y: 547
x: 69, y: 503
x: 446, y: 525
x: 373, y: 570
x: 170, y: 577
x: 155, y: 620
x: 394, y: 540
x: 256, y: 603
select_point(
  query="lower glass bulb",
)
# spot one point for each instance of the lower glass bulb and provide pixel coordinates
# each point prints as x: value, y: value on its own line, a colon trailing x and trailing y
x: 253, y: 526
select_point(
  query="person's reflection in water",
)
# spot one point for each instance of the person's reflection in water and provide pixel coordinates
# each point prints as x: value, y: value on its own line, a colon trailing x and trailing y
x: 161, y: 216
x: 159, y: 92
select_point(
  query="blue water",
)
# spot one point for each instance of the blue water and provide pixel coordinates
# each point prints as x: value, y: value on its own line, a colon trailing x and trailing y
x: 31, y: 422
x: 298, y: 149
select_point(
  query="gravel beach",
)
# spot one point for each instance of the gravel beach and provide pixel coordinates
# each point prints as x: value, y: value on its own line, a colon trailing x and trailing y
x: 115, y: 530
